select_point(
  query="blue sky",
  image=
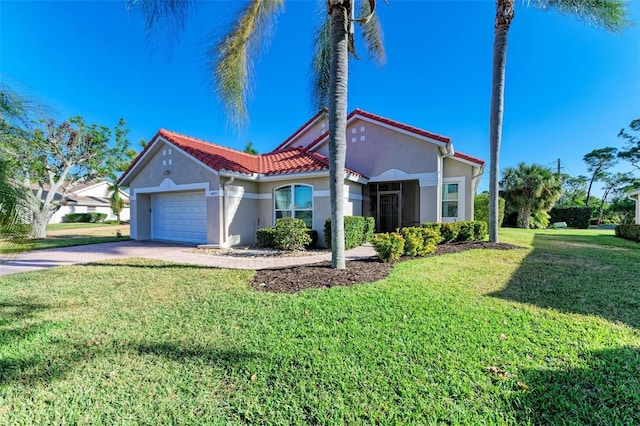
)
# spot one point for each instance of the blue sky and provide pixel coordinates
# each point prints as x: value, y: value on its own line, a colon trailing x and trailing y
x: 570, y: 86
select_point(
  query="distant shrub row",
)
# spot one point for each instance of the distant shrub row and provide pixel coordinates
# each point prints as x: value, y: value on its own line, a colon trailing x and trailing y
x: 574, y: 217
x: 357, y: 231
x: 628, y: 232
x: 85, y: 217
x: 421, y: 241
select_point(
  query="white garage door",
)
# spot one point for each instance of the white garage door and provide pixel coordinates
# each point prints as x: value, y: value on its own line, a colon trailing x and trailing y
x: 179, y: 216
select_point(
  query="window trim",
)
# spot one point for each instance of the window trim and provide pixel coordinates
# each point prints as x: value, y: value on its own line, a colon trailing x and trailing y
x: 292, y: 210
x: 461, y: 199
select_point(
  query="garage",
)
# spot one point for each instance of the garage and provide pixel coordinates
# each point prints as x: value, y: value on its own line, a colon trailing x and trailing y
x: 179, y: 216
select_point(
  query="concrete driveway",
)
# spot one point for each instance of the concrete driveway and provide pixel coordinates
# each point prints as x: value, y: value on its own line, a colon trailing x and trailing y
x: 43, y: 259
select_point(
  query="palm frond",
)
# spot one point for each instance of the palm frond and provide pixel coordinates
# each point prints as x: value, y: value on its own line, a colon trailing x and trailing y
x: 172, y: 15
x: 611, y: 15
x: 233, y: 57
x: 320, y: 65
x: 372, y: 32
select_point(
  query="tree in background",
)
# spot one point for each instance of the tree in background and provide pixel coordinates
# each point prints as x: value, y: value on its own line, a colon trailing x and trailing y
x: 56, y: 157
x: 574, y: 191
x: 481, y: 208
x: 249, y: 149
x: 598, y: 162
x: 530, y: 190
x: 608, y: 14
x: 232, y: 68
x: 631, y: 153
x: 611, y: 183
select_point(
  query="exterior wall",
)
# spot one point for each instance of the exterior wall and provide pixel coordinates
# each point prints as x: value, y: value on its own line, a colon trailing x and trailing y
x: 410, y: 204
x: 384, y: 149
x: 430, y: 204
x: 241, y: 209
x: 637, y: 209
x: 167, y: 169
x: 310, y: 134
x: 453, y: 171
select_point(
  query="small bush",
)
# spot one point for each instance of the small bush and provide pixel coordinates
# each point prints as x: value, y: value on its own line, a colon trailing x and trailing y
x: 574, y: 217
x: 313, y: 234
x: 85, y: 217
x: 449, y: 231
x: 266, y: 237
x: 389, y: 246
x: 465, y: 231
x: 420, y: 241
x: 480, y: 230
x: 357, y: 230
x: 291, y: 234
x: 628, y: 232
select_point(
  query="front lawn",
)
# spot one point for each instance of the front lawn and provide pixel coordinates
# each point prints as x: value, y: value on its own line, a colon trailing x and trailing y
x: 549, y: 334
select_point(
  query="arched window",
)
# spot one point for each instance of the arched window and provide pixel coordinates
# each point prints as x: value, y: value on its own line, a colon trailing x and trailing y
x: 294, y: 201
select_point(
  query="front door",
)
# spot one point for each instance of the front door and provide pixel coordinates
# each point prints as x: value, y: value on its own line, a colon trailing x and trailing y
x: 388, y: 211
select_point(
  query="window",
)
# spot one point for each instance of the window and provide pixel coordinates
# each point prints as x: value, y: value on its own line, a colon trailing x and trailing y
x: 450, y: 199
x: 91, y: 209
x: 294, y: 201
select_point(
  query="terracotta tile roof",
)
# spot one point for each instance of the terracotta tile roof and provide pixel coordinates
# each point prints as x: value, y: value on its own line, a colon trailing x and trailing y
x: 291, y: 160
x: 301, y: 128
x: 468, y: 158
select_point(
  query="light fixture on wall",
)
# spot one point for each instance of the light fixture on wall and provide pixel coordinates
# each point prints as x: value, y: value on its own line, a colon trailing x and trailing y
x: 166, y: 172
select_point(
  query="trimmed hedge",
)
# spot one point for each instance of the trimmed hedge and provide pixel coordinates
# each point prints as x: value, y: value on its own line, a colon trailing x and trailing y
x: 459, y: 231
x: 481, y: 208
x: 389, y: 246
x: 628, y: 232
x: 85, y: 217
x: 574, y: 217
x: 357, y: 231
x: 420, y: 241
x: 266, y: 237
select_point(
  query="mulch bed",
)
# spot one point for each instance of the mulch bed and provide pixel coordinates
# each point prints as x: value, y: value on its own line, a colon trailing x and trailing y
x: 320, y: 275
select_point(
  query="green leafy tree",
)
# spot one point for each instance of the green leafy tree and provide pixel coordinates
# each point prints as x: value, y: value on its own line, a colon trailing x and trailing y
x: 530, y: 190
x: 608, y: 14
x: 56, y: 157
x: 232, y: 68
x: 574, y: 191
x: 631, y: 153
x: 611, y: 183
x: 249, y: 149
x: 598, y: 162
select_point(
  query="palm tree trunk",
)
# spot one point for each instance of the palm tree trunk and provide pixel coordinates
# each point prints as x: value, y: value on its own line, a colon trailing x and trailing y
x: 504, y: 15
x: 339, y: 73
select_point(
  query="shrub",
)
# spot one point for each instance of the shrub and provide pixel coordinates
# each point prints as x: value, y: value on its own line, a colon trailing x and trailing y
x: 449, y: 231
x: 266, y: 237
x: 291, y: 234
x: 357, y: 230
x: 313, y: 234
x: 85, y: 217
x: 574, y: 217
x: 420, y: 241
x: 480, y: 230
x: 628, y: 232
x: 388, y: 246
x: 481, y: 208
x: 465, y: 231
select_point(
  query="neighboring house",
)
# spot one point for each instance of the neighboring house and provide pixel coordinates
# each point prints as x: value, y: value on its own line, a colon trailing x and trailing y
x: 185, y: 189
x: 635, y: 195
x: 90, y: 197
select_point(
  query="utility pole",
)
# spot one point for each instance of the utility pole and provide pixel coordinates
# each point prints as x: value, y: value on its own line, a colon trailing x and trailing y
x: 558, y: 167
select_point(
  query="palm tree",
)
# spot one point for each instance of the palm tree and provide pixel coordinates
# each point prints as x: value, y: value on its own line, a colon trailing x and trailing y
x: 608, y: 14
x: 232, y: 68
x: 530, y: 190
x: 115, y: 199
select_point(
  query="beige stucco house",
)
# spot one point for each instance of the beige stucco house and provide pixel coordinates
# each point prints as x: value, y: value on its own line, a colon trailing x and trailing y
x: 89, y: 197
x: 186, y: 189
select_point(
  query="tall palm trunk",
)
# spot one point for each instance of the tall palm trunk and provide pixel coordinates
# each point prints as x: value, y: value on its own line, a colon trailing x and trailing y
x: 339, y: 73
x: 504, y: 15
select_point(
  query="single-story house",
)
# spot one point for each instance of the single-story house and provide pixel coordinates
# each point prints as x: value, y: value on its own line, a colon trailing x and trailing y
x: 89, y: 197
x: 635, y: 195
x: 185, y: 189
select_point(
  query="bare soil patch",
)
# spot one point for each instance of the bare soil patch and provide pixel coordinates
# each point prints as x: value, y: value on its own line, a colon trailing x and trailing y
x: 320, y: 275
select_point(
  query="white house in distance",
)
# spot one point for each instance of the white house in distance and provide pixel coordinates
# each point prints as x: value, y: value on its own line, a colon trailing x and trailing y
x: 185, y: 189
x: 90, y: 197
x: 635, y: 195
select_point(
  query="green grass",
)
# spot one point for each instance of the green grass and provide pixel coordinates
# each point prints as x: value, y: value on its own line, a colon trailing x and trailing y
x: 142, y: 342
x: 76, y: 225
x: 57, y: 242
